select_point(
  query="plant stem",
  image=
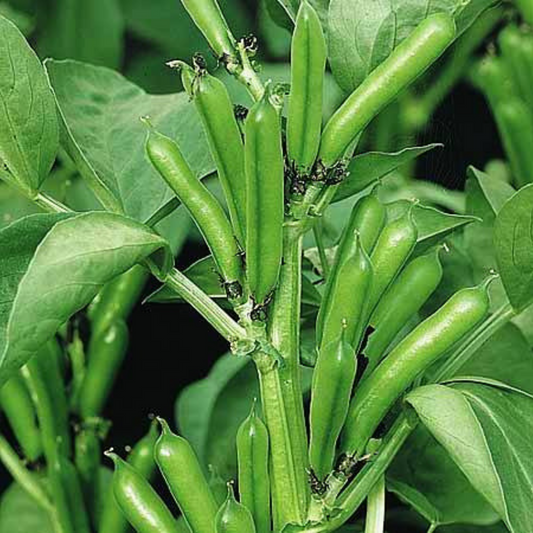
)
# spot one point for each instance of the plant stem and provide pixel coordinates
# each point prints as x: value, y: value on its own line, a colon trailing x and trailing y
x: 26, y: 479
x: 473, y: 342
x: 317, y: 232
x: 375, y: 508
x: 357, y: 491
x: 285, y: 337
x: 50, y: 204
x: 193, y: 295
x: 246, y: 74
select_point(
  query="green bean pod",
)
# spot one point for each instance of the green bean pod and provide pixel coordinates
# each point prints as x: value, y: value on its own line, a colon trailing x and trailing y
x: 493, y: 77
x: 526, y: 8
x: 264, y: 191
x: 515, y: 124
x: 368, y: 218
x: 184, y: 477
x: 392, y: 250
x: 105, y: 355
x: 516, y: 47
x: 410, y: 358
x: 139, y: 502
x: 346, y: 293
x: 405, y: 64
x: 404, y: 298
x: 141, y: 458
x: 88, y: 452
x: 117, y: 299
x: 209, y: 19
x: 215, y: 108
x: 234, y: 517
x: 254, y: 479
x: 16, y: 402
x: 308, y: 62
x: 333, y: 380
x: 203, y: 207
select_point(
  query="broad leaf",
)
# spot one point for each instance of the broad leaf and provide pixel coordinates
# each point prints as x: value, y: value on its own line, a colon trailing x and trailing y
x: 100, y: 111
x: 20, y: 514
x: 513, y: 239
x: 366, y: 169
x: 424, y: 476
x: 54, y: 265
x: 356, y: 48
x: 29, y: 133
x: 210, y: 411
x: 486, y: 428
x: 86, y: 31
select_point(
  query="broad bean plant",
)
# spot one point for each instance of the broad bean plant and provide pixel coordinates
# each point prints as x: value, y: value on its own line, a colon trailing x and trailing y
x: 378, y: 327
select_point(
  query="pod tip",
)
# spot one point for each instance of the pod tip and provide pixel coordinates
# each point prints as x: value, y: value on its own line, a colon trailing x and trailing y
x: 164, y: 425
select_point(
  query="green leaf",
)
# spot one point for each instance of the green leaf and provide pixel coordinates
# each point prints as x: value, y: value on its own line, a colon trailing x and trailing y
x: 210, y: 411
x: 506, y: 357
x: 20, y: 514
x: 366, y: 169
x: 356, y: 49
x: 14, y: 205
x: 29, y: 136
x: 513, y: 239
x: 433, y: 225
x: 489, y: 190
x: 100, y: 111
x: 87, y: 31
x: 424, y: 476
x: 486, y: 428
x: 54, y: 265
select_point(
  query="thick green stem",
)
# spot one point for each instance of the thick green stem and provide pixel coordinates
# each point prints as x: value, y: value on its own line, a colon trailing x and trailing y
x: 217, y: 317
x: 375, y: 508
x: 473, y: 342
x: 285, y: 337
x: 26, y: 479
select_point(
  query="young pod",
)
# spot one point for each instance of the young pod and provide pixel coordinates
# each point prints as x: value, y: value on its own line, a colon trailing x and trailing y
x: 405, y: 64
x: 234, y: 517
x: 16, y: 402
x: 368, y: 218
x: 493, y: 77
x: 105, y: 355
x: 117, y: 299
x: 404, y: 298
x: 183, y: 475
x: 215, y: 108
x: 410, y: 358
x: 138, y: 501
x: 331, y: 390
x: 392, y: 250
x: 141, y: 459
x: 308, y: 62
x: 515, y: 124
x: 203, y: 207
x: 346, y: 293
x: 254, y: 479
x: 264, y: 192
x: 209, y: 19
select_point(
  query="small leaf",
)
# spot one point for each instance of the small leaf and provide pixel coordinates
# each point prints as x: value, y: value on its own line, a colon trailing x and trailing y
x: 366, y: 169
x: 495, y: 191
x: 53, y: 265
x: 102, y: 133
x: 486, y: 428
x: 29, y: 136
x: 513, y: 239
x: 433, y: 225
